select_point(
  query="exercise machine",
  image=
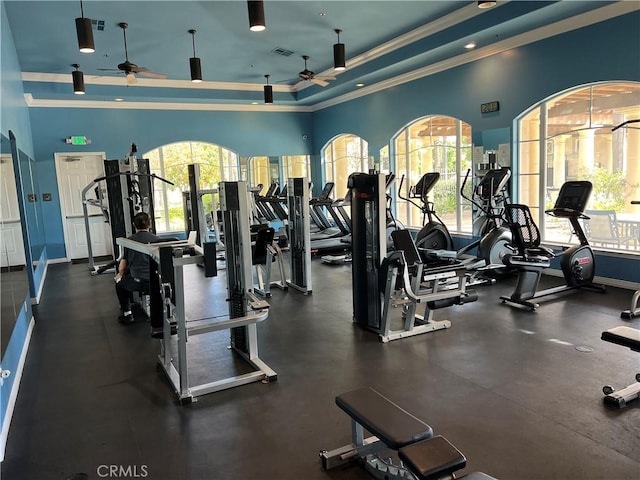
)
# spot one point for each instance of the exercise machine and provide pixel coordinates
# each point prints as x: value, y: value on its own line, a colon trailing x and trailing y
x: 375, y: 269
x: 410, y: 284
x: 125, y: 190
x: 245, y: 308
x: 299, y: 231
x: 627, y: 337
x: 577, y: 262
x: 422, y: 455
x: 634, y: 311
x: 434, y: 234
x: 490, y: 196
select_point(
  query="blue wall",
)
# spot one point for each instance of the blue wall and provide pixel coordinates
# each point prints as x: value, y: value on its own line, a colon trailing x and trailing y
x: 112, y: 131
x: 15, y: 117
x: 518, y: 79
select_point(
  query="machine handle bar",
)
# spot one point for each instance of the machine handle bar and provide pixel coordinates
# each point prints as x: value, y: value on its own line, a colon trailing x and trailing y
x: 152, y: 175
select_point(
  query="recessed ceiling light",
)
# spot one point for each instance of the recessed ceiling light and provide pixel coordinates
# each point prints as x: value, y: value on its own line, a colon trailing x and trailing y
x: 359, y: 85
x: 470, y: 45
x: 118, y: 99
x: 254, y: 103
x: 486, y: 3
x: 322, y: 14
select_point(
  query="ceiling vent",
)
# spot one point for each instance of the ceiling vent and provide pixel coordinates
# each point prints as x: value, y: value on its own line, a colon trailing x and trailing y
x: 97, y: 25
x: 282, y: 51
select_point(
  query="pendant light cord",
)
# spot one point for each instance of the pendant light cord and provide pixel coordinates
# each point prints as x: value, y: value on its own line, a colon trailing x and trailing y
x: 81, y: 9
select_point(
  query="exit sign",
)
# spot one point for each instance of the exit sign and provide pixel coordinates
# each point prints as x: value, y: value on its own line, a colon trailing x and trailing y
x: 489, y: 107
x: 78, y: 140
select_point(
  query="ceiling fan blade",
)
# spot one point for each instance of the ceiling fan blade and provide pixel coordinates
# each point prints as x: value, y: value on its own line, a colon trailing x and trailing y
x: 325, y: 77
x: 318, y: 81
x: 131, y: 79
x: 109, y: 69
x: 144, y: 72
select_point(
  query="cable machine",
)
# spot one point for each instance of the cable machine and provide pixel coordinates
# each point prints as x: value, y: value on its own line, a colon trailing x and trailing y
x: 245, y: 309
x: 127, y: 190
x: 299, y: 232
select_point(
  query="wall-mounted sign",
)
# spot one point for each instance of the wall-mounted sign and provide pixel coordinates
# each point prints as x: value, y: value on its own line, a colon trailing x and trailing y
x: 490, y: 107
x: 78, y: 140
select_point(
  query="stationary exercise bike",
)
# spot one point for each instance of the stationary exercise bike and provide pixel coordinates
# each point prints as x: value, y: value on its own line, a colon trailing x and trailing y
x: 577, y: 262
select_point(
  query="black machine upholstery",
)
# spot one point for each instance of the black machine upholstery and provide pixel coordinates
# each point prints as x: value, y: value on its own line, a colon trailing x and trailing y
x: 623, y: 335
x: 524, y: 231
x: 432, y: 458
x: 394, y: 426
x: 264, y: 238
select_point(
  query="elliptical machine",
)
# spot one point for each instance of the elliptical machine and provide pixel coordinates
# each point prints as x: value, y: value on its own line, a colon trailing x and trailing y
x: 577, y: 262
x: 489, y: 197
x: 434, y: 235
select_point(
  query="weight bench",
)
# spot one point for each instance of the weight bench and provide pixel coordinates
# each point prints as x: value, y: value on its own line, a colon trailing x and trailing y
x: 627, y: 337
x: 425, y: 457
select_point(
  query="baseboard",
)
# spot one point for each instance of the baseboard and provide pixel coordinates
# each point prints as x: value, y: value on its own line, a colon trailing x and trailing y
x: 612, y: 282
x: 58, y: 260
x: 36, y: 301
x: 13, y: 395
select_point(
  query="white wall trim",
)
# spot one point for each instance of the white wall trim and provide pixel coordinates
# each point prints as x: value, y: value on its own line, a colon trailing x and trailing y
x: 58, y: 260
x: 36, y: 301
x: 49, y: 103
x: 579, y: 21
x: 153, y: 83
x: 13, y: 395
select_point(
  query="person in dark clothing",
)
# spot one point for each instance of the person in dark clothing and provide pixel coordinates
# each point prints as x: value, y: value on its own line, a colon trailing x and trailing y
x: 133, y: 269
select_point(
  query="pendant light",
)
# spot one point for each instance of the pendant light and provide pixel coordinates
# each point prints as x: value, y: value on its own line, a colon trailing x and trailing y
x: 338, y: 53
x: 85, y: 33
x: 256, y: 16
x: 268, y: 91
x: 194, y: 62
x: 78, y: 80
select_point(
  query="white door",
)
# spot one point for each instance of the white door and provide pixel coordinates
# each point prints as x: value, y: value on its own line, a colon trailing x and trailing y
x: 12, y: 246
x: 75, y: 171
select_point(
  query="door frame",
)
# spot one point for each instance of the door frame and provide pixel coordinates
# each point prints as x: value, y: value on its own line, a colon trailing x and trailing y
x: 58, y: 157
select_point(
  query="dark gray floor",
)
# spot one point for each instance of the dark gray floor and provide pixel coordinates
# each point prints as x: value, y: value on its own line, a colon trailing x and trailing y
x: 507, y: 387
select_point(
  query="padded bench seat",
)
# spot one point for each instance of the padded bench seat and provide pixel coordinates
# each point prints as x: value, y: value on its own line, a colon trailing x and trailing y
x: 625, y: 336
x: 393, y: 425
x: 432, y: 458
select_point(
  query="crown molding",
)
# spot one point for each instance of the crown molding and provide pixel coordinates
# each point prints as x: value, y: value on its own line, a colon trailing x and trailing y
x: 208, y: 107
x: 431, y: 28
x: 151, y: 82
x: 579, y: 21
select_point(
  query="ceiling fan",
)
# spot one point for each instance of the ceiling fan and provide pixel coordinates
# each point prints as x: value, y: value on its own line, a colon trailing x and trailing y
x: 309, y: 76
x: 131, y: 69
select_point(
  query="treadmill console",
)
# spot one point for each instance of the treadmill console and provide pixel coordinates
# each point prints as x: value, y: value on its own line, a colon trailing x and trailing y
x: 326, y: 191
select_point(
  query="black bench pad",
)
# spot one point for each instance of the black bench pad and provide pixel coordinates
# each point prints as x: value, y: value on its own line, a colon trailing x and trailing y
x: 626, y: 336
x: 432, y: 458
x: 394, y: 426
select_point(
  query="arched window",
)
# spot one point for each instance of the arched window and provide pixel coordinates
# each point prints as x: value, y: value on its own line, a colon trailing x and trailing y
x: 435, y: 144
x: 341, y: 157
x: 295, y: 166
x: 259, y: 172
x: 569, y: 137
x: 170, y: 162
